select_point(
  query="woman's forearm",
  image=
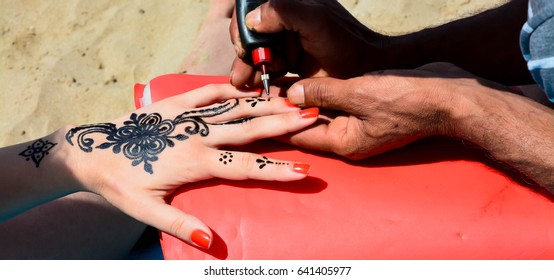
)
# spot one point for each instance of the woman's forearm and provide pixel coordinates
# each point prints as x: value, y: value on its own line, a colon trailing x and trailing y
x: 35, y: 172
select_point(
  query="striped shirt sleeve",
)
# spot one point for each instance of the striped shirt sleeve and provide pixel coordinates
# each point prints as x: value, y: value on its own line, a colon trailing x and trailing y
x: 537, y: 44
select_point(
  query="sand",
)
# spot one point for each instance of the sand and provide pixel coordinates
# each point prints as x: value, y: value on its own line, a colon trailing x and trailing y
x: 76, y: 61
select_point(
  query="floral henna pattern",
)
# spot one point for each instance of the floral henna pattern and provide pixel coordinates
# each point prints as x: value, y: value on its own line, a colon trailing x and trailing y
x: 143, y: 137
x: 37, y: 151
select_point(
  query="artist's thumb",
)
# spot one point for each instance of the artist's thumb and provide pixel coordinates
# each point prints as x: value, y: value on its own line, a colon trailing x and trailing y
x: 325, y: 93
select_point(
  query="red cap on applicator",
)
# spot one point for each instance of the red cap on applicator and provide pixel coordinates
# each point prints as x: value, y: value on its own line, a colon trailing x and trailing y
x: 261, y: 57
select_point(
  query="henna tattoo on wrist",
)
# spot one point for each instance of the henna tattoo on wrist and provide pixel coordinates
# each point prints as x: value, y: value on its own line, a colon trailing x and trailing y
x: 143, y: 137
x: 37, y: 151
x: 265, y: 161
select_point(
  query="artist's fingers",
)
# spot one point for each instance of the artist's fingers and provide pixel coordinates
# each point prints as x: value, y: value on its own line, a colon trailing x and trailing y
x: 327, y: 93
x: 315, y: 138
x: 328, y: 136
x: 241, y: 166
x: 155, y: 212
x: 209, y: 94
x: 270, y: 18
x: 235, y: 36
x: 260, y: 127
x: 244, y: 75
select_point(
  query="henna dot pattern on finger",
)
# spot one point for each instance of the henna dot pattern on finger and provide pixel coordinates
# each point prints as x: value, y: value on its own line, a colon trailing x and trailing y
x: 37, y: 151
x: 264, y: 161
x: 143, y: 137
x: 254, y: 100
x: 226, y: 157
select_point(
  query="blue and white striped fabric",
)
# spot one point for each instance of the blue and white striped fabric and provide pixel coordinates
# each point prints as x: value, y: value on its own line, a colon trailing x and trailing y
x: 537, y: 44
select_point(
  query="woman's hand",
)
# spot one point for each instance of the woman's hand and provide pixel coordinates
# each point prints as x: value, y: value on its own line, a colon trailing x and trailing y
x: 138, y: 160
x: 320, y: 38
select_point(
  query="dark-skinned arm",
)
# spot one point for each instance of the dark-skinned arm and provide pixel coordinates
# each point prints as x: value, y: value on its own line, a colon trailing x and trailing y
x: 486, y: 45
x: 324, y: 40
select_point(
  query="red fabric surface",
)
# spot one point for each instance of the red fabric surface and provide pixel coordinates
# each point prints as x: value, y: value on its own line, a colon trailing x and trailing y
x: 434, y: 199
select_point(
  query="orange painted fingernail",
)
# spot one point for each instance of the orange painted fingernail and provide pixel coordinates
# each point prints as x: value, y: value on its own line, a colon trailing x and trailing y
x: 309, y: 113
x: 290, y: 104
x: 201, y: 239
x: 301, y: 168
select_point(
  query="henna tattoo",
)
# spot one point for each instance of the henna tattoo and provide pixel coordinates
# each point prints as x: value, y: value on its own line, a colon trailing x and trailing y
x: 226, y: 157
x: 37, y: 151
x: 265, y: 161
x: 254, y: 100
x: 141, y: 138
x: 236, y: 121
x: 144, y: 137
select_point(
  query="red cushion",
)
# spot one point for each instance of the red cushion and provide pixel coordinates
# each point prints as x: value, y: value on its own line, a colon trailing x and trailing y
x: 434, y: 199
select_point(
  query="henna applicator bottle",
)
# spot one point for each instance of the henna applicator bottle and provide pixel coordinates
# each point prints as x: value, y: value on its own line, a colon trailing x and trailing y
x: 257, y: 45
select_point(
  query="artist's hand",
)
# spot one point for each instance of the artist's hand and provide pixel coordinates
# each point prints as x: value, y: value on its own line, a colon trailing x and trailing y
x: 383, y: 111
x: 321, y: 38
x: 137, y: 161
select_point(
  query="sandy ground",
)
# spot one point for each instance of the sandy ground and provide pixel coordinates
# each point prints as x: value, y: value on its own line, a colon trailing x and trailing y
x: 76, y: 61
